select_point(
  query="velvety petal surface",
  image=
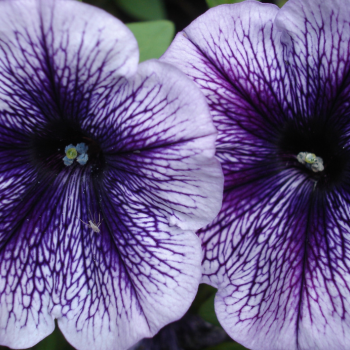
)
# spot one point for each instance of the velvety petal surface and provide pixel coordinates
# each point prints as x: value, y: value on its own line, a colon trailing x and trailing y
x: 279, y: 249
x: 150, y: 182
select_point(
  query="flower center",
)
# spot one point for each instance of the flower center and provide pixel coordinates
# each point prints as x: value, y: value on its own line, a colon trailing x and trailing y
x: 61, y: 145
x: 317, y: 148
x: 72, y: 153
x: 311, y: 161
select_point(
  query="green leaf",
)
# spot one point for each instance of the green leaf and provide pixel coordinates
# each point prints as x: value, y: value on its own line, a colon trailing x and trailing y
x: 144, y: 10
x: 55, y: 341
x: 153, y: 37
x: 207, y: 311
x: 227, y: 346
x: 212, y: 3
x: 204, y: 292
x: 280, y: 3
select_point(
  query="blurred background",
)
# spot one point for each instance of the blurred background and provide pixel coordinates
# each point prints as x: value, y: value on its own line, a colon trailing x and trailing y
x: 154, y: 24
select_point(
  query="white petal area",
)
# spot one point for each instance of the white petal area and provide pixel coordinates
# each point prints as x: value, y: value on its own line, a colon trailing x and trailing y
x: 276, y: 291
x: 317, y: 46
x: 108, y: 289
x: 33, y: 280
x: 138, y: 282
x: 24, y: 300
x: 233, y: 53
x: 325, y: 307
x: 254, y: 252
x: 163, y: 154
x: 58, y: 57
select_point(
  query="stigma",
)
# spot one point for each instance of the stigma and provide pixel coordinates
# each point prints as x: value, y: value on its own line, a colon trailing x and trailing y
x: 311, y: 161
x: 78, y: 153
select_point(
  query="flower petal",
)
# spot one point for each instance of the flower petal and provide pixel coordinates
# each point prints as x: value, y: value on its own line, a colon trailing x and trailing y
x: 234, y: 55
x: 255, y: 255
x: 32, y: 228
x: 98, y: 285
x: 316, y: 39
x: 165, y: 144
x: 59, y: 58
x: 283, y: 276
x: 136, y: 275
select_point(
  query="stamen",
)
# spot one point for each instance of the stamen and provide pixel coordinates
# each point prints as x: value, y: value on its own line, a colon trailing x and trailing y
x: 82, y: 148
x: 67, y: 161
x: 77, y: 152
x: 311, y: 161
x: 82, y: 159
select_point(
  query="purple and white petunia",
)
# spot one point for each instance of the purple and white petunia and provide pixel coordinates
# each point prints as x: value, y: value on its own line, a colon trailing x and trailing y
x: 107, y: 170
x: 278, y: 85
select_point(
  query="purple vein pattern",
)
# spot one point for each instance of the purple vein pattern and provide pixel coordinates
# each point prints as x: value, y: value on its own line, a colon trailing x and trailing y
x: 278, y: 83
x: 69, y: 74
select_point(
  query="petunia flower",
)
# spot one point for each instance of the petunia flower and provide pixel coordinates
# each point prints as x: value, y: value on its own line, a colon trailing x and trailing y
x: 106, y: 244
x: 278, y: 85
